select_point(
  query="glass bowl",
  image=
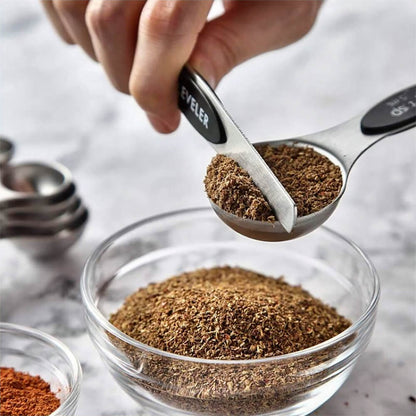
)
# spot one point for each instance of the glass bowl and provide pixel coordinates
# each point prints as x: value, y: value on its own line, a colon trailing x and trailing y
x: 39, y: 354
x: 324, y: 263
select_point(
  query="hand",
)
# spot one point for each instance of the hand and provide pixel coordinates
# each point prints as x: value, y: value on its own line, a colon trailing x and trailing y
x: 143, y: 45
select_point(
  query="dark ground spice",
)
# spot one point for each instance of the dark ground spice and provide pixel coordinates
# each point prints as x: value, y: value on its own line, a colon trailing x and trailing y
x: 24, y: 395
x: 227, y: 313
x: 310, y: 178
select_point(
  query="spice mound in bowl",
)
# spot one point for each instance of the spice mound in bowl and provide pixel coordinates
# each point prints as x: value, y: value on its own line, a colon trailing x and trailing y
x: 310, y: 178
x: 24, y: 394
x: 227, y: 313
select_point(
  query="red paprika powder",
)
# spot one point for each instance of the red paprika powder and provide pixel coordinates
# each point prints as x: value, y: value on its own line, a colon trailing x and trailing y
x: 23, y: 394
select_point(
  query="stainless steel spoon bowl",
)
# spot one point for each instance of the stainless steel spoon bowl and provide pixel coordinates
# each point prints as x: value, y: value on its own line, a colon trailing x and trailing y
x: 343, y: 145
x: 36, y: 221
x: 34, y: 184
x: 50, y: 245
x: 39, y: 214
x: 38, y: 228
x: 41, y: 211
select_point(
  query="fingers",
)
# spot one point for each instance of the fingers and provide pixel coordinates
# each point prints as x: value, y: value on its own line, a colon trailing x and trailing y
x: 249, y: 28
x: 143, y: 44
x: 56, y: 21
x: 72, y: 15
x: 168, y: 31
x: 113, y: 28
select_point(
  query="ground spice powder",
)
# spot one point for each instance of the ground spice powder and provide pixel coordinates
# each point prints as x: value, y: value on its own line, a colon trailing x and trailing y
x: 22, y: 394
x: 310, y: 178
x: 227, y: 313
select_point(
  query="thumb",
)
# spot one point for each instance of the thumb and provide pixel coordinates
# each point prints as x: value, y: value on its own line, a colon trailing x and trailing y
x: 247, y: 29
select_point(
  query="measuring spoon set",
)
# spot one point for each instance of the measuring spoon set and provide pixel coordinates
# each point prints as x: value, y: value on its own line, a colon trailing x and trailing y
x: 342, y: 145
x: 40, y: 211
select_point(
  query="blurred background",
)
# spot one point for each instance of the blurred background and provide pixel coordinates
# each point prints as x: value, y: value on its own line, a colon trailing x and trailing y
x: 56, y: 104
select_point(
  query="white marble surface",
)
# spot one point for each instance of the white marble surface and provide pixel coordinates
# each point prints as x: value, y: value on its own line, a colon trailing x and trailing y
x: 57, y: 105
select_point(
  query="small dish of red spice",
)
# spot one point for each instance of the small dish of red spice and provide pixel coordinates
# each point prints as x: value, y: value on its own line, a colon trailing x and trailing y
x: 39, y: 375
x: 24, y: 394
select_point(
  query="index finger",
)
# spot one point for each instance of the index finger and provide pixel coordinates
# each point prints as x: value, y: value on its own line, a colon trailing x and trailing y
x: 168, y: 31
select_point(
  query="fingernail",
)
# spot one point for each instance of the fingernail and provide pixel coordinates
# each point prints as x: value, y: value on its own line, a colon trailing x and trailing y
x: 163, y: 126
x: 211, y: 81
x: 209, y: 78
x: 205, y: 69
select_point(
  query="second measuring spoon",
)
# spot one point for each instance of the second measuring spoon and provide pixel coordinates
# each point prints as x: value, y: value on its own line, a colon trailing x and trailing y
x: 343, y: 145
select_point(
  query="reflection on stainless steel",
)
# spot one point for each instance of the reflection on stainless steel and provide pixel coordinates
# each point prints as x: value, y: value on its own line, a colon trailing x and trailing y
x: 41, y: 213
x: 28, y: 228
x: 34, y: 184
x: 32, y: 222
x: 47, y: 245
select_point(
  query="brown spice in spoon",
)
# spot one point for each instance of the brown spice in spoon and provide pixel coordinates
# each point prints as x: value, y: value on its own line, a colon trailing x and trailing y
x: 310, y: 178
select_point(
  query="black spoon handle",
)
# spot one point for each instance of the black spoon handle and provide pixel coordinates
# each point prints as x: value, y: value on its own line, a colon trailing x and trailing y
x: 198, y: 103
x: 393, y: 114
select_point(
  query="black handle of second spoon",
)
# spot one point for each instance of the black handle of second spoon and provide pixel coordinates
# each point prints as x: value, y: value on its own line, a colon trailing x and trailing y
x: 397, y: 112
x: 393, y: 114
x: 198, y: 108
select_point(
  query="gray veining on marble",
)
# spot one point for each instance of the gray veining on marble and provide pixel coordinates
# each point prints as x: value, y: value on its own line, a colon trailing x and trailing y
x: 57, y: 105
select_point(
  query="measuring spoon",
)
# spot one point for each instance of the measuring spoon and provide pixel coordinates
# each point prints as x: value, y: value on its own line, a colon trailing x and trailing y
x: 38, y: 220
x: 34, y: 184
x: 343, y: 145
x: 48, y: 228
x: 41, y: 244
x: 47, y: 212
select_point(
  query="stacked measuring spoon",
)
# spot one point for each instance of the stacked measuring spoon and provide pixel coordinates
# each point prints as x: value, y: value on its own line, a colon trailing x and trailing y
x: 40, y: 211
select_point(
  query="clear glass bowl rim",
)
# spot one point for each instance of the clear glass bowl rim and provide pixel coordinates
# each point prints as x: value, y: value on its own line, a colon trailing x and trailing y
x: 75, y: 366
x: 92, y: 309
